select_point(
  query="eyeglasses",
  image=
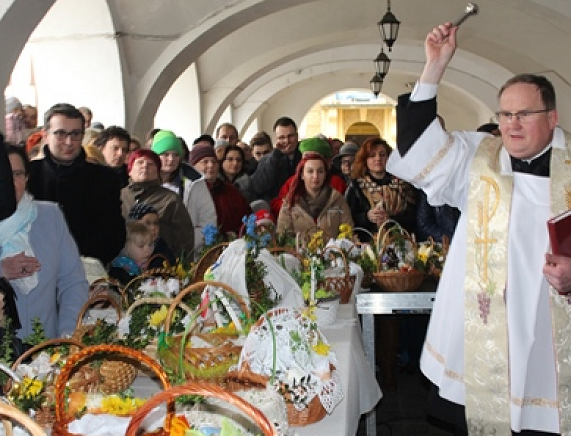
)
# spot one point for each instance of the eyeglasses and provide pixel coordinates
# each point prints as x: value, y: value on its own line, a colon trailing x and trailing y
x: 504, y: 117
x: 61, y: 135
x: 289, y: 137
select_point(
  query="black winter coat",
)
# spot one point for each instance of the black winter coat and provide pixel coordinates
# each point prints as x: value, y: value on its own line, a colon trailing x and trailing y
x: 89, y: 196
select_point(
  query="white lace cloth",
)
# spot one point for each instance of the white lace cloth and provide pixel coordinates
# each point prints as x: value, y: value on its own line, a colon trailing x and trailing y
x: 295, y: 356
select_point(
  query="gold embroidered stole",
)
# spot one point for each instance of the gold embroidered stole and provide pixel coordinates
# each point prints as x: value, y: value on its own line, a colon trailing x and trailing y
x: 486, y: 372
x: 486, y: 350
x: 560, y: 304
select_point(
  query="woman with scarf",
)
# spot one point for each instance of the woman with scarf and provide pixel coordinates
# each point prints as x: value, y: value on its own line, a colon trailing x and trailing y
x: 40, y: 259
x: 311, y: 204
x: 375, y: 196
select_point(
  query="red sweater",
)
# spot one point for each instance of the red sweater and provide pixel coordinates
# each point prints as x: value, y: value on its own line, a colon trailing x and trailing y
x: 230, y: 206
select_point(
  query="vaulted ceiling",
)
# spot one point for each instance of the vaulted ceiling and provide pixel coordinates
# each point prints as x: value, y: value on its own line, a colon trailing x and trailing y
x: 259, y: 59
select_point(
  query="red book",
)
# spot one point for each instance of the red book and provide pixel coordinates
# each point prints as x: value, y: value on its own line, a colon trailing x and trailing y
x: 559, y: 228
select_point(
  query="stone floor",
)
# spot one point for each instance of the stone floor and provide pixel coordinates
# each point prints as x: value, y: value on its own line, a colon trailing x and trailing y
x: 402, y: 412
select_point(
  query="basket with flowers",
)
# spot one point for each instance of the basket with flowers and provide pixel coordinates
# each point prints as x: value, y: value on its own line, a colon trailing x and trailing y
x: 199, y: 423
x: 74, y: 413
x: 336, y: 272
x: 212, y: 339
x: 400, y: 269
x: 323, y: 303
x: 117, y: 374
x: 288, y: 348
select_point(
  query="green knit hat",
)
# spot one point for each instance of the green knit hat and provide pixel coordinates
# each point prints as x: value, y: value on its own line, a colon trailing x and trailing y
x: 165, y: 140
x: 316, y: 145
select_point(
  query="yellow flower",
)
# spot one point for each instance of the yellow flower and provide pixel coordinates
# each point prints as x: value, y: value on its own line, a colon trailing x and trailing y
x: 309, y: 312
x: 158, y: 317
x: 321, y: 348
x: 179, y: 425
x: 54, y: 358
x: 424, y: 252
x: 31, y: 387
x: 345, y: 232
x: 115, y: 405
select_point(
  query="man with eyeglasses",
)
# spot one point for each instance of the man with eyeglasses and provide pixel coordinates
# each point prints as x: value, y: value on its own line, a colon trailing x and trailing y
x: 274, y: 169
x: 89, y: 194
x: 497, y: 347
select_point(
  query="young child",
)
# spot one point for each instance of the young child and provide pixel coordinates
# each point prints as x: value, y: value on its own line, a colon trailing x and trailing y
x: 148, y: 215
x: 133, y: 259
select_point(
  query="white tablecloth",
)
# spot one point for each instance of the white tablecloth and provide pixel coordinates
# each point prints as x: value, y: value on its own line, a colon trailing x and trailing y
x: 360, y: 386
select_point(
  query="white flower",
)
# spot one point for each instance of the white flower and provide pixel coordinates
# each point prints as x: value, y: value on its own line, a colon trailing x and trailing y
x: 293, y: 374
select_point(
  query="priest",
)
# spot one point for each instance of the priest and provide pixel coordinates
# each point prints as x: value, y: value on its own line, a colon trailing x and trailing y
x: 497, y: 348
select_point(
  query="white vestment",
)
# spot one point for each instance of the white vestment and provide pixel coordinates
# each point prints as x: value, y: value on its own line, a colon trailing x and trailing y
x: 533, y: 401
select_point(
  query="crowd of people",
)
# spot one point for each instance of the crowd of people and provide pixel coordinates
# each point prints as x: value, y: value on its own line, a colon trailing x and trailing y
x: 96, y: 192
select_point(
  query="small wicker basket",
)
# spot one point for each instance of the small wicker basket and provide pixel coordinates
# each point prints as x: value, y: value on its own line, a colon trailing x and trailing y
x: 342, y: 284
x: 396, y: 280
x: 206, y: 363
x: 117, y: 374
x: 60, y: 426
x: 152, y: 347
x: 197, y: 388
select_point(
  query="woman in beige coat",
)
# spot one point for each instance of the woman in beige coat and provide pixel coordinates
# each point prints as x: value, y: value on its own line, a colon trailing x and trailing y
x: 311, y: 204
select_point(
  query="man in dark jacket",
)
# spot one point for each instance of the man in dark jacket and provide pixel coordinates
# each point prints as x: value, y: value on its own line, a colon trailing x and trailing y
x: 88, y: 194
x: 274, y: 169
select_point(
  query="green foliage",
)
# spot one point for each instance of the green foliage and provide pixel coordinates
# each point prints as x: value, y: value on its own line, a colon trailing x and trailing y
x: 38, y: 334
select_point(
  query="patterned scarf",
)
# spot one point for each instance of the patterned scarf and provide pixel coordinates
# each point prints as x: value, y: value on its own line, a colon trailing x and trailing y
x: 392, y: 196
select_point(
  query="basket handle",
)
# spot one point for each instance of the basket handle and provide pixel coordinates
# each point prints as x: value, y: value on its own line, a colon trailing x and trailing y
x: 207, y: 258
x: 147, y: 274
x: 81, y: 355
x: 101, y: 298
x: 345, y: 263
x: 45, y: 344
x: 383, y: 232
x: 15, y: 414
x: 199, y: 286
x: 158, y: 256
x: 156, y: 300
x: 206, y: 390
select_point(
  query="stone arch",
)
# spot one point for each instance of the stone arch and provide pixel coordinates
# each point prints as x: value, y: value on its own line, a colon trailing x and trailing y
x: 361, y: 130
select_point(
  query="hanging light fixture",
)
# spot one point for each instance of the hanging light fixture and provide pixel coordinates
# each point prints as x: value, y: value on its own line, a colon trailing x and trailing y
x: 389, y: 27
x: 382, y: 64
x: 376, y: 84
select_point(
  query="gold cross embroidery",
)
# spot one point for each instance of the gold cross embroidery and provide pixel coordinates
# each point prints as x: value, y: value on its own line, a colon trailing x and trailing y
x: 486, y: 210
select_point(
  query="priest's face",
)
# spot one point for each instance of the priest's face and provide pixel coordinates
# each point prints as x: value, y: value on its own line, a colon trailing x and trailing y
x: 525, y: 123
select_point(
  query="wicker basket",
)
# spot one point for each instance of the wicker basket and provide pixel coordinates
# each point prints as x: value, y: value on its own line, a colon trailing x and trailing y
x: 314, y: 410
x: 60, y: 427
x: 210, y: 363
x: 398, y: 281
x: 206, y: 260
x: 106, y: 286
x: 14, y: 414
x: 206, y: 390
x: 85, y: 379
x: 116, y: 374
x: 342, y: 284
x: 151, y: 348
x: 129, y: 290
